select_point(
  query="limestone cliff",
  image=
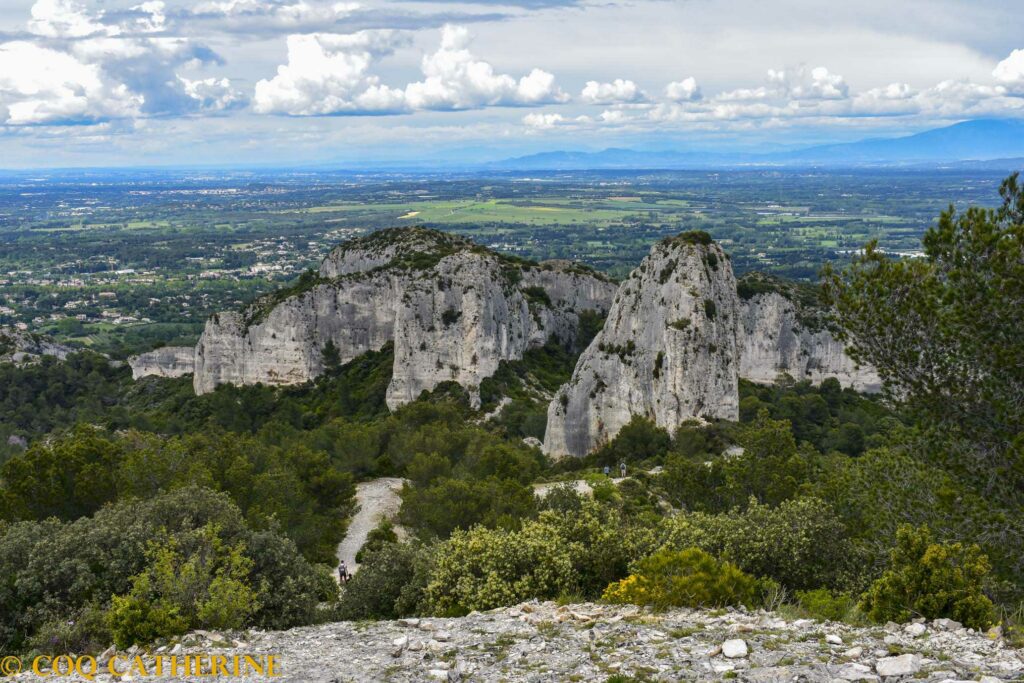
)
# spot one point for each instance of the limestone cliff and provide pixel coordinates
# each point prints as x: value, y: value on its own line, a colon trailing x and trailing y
x: 783, y: 333
x: 668, y: 350
x: 168, y: 361
x: 17, y: 346
x: 453, y: 309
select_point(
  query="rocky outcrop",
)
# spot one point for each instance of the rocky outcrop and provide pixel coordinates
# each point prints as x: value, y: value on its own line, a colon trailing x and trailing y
x: 17, y: 346
x: 545, y: 641
x: 168, y: 361
x: 453, y: 309
x: 668, y: 350
x: 784, y: 333
x: 774, y: 343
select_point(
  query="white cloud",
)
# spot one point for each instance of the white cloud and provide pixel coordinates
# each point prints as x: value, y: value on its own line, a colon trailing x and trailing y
x: 213, y: 94
x: 814, y: 84
x: 43, y: 86
x: 685, y: 90
x: 1010, y: 72
x: 619, y: 91
x: 65, y: 19
x: 273, y: 15
x: 330, y: 74
x: 455, y: 79
x: 543, y: 121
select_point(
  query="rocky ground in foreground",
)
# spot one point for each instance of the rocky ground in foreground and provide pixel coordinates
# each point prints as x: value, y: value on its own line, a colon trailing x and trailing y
x: 588, y: 642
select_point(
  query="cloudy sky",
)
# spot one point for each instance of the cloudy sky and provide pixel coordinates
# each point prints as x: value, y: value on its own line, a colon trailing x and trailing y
x: 116, y: 82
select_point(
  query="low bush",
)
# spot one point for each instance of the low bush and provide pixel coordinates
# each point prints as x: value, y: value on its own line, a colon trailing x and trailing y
x: 931, y: 580
x: 53, y: 570
x: 383, y: 534
x: 389, y: 584
x: 191, y: 581
x: 684, y: 578
x: 485, y: 568
x: 826, y: 605
x: 801, y: 543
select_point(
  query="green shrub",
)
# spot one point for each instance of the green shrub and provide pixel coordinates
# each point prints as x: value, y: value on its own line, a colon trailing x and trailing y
x: 388, y: 585
x: 638, y: 440
x: 448, y: 504
x: 931, y: 580
x: 83, y: 630
x: 191, y: 581
x: 684, y: 578
x: 383, y: 534
x: 826, y: 605
x: 486, y: 568
x: 136, y: 620
x: 54, y: 570
x: 801, y: 543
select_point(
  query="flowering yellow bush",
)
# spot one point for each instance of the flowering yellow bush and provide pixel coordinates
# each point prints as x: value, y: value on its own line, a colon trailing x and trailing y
x: 684, y: 578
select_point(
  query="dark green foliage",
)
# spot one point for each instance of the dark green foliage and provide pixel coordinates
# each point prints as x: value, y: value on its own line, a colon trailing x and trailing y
x: 295, y: 490
x: 331, y: 357
x: 680, y: 324
x: 827, y: 416
x: 529, y: 381
x: 931, y: 580
x: 826, y: 605
x: 65, y: 478
x: 667, y: 271
x: 51, y: 569
x: 946, y: 335
x: 450, y: 317
x: 388, y: 585
x: 537, y: 295
x: 691, y: 237
x: 709, y: 309
x: 382, y: 535
x: 448, y: 504
x: 39, y: 397
x: 801, y: 543
x: 638, y: 441
x: 770, y: 467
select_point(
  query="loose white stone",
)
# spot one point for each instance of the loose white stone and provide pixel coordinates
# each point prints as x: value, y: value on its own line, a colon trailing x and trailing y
x: 903, y: 665
x: 833, y: 639
x: 915, y: 630
x: 735, y: 648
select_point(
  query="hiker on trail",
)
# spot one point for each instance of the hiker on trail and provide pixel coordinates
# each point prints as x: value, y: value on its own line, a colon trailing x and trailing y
x: 622, y: 469
x: 343, y: 575
x: 607, y: 471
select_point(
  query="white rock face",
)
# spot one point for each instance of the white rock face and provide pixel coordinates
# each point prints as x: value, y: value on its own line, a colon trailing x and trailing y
x: 668, y: 352
x: 773, y: 342
x: 17, y: 346
x: 169, y: 361
x: 453, y: 310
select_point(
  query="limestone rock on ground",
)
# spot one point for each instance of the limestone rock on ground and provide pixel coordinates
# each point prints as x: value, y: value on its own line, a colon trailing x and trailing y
x: 545, y: 642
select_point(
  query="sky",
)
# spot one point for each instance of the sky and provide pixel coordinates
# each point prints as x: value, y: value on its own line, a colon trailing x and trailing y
x: 362, y: 82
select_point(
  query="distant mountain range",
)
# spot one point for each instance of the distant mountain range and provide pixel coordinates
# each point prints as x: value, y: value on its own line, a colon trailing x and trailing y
x: 991, y: 141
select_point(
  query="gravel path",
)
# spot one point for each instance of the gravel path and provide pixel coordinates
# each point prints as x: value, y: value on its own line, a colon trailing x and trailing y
x: 376, y: 500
